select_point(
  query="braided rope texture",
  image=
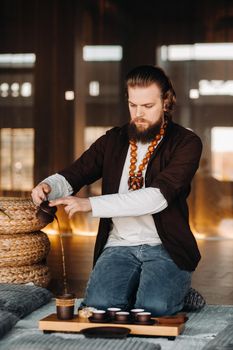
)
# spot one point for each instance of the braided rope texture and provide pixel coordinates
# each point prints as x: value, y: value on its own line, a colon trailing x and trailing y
x: 23, y: 249
x: 19, y: 215
x: 37, y: 273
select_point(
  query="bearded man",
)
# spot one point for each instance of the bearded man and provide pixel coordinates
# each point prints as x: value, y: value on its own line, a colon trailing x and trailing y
x: 145, y: 251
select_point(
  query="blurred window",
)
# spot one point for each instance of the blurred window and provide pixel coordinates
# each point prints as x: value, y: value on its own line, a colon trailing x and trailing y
x: 102, y: 53
x: 16, y: 159
x: 17, y: 60
x: 222, y: 153
x: 202, y: 75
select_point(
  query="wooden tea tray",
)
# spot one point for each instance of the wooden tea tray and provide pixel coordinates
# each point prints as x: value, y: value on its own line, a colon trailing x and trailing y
x: 52, y: 324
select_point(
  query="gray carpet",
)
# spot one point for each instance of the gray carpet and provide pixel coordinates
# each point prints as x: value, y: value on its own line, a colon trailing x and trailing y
x: 202, y: 328
x: 48, y: 342
x: 208, y: 329
x: 223, y: 340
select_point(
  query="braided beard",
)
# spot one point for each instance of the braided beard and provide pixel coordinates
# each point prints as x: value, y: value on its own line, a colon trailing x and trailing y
x: 144, y: 136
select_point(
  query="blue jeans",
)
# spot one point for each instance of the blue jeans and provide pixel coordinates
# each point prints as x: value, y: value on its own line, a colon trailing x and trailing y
x: 137, y: 277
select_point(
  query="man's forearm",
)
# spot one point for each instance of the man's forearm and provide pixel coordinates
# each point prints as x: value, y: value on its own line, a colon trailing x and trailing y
x: 135, y: 203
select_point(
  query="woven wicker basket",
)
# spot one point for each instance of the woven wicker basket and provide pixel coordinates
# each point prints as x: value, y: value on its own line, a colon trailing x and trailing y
x: 19, y: 215
x: 24, y: 249
x: 38, y: 274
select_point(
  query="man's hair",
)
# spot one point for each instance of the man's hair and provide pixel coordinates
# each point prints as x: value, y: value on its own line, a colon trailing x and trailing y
x: 144, y: 76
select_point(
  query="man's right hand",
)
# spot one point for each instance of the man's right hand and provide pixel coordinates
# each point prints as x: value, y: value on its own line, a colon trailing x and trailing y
x: 40, y: 193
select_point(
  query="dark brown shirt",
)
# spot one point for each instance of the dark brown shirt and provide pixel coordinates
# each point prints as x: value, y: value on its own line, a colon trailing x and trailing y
x: 171, y: 169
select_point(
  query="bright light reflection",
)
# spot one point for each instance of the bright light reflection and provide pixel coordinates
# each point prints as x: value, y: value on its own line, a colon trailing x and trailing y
x: 4, y: 87
x: 202, y: 52
x: 26, y: 89
x: 216, y: 87
x: 205, y: 237
x: 102, y: 53
x: 18, y: 166
x: 193, y: 93
x: 15, y: 89
x: 222, y: 153
x: 12, y: 60
x: 225, y: 228
x: 15, y: 86
x: 94, y: 88
x: 50, y: 231
x: 69, y: 95
x: 84, y: 233
x: 199, y: 235
x: 222, y: 139
x: 212, y: 88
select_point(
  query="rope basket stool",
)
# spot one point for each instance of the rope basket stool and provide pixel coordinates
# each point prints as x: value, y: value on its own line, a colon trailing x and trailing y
x: 23, y: 249
x: 19, y: 215
x: 37, y: 273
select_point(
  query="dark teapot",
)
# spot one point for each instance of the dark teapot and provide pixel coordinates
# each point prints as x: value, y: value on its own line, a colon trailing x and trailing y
x: 45, y: 213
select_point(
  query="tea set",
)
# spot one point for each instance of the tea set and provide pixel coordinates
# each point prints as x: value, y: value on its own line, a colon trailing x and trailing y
x: 116, y: 315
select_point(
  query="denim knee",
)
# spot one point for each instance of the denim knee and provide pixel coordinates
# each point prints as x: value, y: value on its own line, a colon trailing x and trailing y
x: 97, y: 303
x: 159, y: 307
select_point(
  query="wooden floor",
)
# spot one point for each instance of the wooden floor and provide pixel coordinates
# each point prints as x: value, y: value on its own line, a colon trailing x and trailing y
x: 213, y: 277
x: 214, y: 274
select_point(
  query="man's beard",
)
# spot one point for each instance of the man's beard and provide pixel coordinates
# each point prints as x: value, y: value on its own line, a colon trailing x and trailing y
x: 146, y: 135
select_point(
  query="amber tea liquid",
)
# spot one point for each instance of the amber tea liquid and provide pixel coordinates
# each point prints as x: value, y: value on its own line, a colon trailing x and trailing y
x: 63, y: 258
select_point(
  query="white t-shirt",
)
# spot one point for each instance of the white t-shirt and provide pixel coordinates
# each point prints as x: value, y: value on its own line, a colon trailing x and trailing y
x: 131, y: 211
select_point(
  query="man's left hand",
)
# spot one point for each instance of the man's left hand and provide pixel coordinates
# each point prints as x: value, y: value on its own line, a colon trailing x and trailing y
x: 72, y: 204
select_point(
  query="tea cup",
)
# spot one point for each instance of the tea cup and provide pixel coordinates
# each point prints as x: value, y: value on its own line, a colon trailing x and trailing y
x: 134, y: 312
x: 143, y: 317
x: 112, y: 311
x: 99, y: 315
x: 122, y: 316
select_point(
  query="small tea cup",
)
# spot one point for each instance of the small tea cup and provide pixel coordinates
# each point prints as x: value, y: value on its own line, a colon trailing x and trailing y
x: 134, y: 312
x: 112, y: 312
x: 143, y: 317
x: 99, y: 315
x: 122, y: 316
